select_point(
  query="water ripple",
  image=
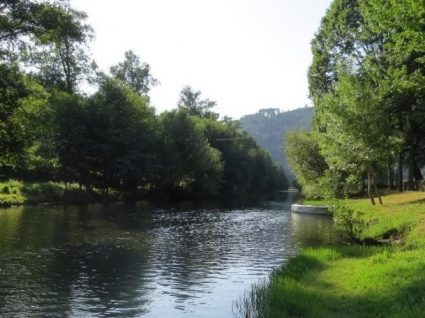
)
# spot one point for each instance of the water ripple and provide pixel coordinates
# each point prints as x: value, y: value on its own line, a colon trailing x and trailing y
x: 131, y: 261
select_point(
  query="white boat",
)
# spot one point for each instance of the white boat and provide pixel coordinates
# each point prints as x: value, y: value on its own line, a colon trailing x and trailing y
x: 310, y: 209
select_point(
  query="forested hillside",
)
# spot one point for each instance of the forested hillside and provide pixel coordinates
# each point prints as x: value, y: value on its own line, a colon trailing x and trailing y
x: 269, y: 126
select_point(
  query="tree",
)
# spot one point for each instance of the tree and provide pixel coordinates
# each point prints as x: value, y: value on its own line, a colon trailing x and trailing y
x: 108, y: 140
x: 306, y: 162
x: 356, y: 132
x: 19, y: 20
x: 248, y: 170
x: 341, y: 40
x: 190, y: 166
x: 21, y: 102
x: 190, y: 101
x: 400, y: 71
x: 365, y: 40
x: 137, y: 76
x: 60, y: 58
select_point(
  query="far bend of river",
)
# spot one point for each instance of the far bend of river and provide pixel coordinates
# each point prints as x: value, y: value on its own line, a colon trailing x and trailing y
x: 132, y: 260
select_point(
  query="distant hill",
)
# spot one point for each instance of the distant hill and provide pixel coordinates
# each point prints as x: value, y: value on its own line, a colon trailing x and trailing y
x: 269, y: 126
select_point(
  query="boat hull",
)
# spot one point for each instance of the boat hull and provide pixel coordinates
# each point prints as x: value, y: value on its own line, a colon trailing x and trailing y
x: 310, y: 209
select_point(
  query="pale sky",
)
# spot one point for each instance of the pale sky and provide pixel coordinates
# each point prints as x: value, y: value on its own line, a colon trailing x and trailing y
x: 245, y: 54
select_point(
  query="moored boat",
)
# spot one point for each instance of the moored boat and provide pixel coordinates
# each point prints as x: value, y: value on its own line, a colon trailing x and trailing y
x: 310, y: 209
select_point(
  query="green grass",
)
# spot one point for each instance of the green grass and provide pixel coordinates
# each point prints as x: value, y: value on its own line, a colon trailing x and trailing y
x: 14, y: 192
x: 354, y: 281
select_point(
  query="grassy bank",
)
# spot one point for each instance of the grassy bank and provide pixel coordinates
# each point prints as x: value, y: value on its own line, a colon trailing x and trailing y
x: 355, y: 280
x: 13, y: 193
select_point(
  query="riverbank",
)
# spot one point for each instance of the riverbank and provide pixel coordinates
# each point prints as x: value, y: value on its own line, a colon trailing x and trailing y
x: 355, y: 280
x: 16, y: 193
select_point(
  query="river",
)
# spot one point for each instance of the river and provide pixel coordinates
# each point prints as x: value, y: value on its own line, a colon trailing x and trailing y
x: 135, y: 260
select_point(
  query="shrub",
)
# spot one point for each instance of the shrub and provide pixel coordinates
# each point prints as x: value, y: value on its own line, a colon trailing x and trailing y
x: 49, y: 189
x: 7, y: 200
x: 348, y: 222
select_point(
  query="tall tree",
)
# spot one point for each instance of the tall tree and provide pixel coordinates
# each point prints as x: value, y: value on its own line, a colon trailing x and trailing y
x: 61, y: 58
x: 400, y: 71
x: 357, y: 137
x: 136, y: 75
x: 190, y: 166
x: 191, y: 101
x: 21, y: 101
x: 108, y: 140
x: 364, y: 39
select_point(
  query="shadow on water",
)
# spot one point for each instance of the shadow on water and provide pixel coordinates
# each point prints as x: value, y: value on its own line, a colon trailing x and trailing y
x: 132, y: 259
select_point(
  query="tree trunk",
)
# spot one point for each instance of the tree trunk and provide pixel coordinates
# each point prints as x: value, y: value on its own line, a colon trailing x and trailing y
x: 376, y: 191
x: 410, y: 182
x: 369, y: 186
x: 400, y: 172
x: 390, y: 177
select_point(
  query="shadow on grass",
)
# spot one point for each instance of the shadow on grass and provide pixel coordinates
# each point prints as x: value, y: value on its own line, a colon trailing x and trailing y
x: 411, y: 202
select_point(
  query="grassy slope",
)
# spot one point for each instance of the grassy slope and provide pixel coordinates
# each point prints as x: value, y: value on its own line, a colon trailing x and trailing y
x: 357, y: 281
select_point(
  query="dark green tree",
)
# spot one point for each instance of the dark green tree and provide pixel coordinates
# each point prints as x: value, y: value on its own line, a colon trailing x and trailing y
x: 190, y: 166
x: 21, y: 103
x: 109, y: 140
x: 248, y: 170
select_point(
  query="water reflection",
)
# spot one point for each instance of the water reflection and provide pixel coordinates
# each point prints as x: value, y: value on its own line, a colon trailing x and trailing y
x: 131, y: 260
x: 311, y: 230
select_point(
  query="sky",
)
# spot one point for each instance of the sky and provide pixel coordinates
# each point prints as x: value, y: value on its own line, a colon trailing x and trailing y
x: 244, y: 54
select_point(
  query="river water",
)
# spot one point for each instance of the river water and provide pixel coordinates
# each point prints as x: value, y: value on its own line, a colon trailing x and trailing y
x: 134, y: 260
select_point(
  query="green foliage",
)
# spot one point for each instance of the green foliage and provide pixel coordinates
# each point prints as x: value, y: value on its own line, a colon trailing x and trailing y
x: 108, y: 140
x: 61, y: 56
x: 137, y: 76
x: 307, y: 163
x: 189, y: 165
x: 348, y: 148
x: 248, y: 170
x: 366, y: 81
x: 12, y: 90
x: 22, y: 103
x: 341, y: 119
x: 14, y: 192
x: 190, y: 101
x: 8, y: 200
x: 49, y: 188
x: 20, y: 22
x: 338, y: 43
x: 11, y: 187
x: 348, y: 222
